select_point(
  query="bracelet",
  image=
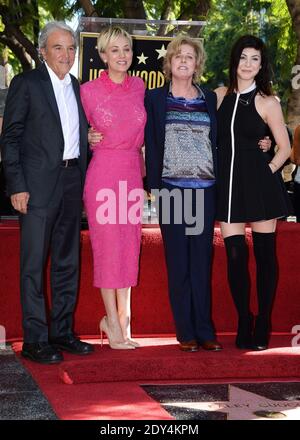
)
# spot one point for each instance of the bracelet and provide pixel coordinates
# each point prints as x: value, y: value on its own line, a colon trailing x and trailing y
x: 275, y: 166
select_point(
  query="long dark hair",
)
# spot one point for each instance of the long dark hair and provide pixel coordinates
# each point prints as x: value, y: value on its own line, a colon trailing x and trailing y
x: 263, y: 78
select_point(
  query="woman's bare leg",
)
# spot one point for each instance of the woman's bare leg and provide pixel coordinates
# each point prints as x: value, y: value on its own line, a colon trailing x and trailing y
x: 111, y: 324
x: 124, y: 311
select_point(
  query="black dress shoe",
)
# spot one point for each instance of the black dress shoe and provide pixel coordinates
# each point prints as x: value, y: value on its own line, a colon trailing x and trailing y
x: 41, y: 352
x: 72, y: 344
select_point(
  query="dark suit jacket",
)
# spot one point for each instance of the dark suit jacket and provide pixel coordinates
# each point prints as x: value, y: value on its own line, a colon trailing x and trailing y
x: 155, y: 103
x: 32, y: 140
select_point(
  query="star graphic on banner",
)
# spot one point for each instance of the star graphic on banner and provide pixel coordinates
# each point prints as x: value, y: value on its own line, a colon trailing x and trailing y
x: 142, y: 58
x: 161, y: 52
x: 244, y: 405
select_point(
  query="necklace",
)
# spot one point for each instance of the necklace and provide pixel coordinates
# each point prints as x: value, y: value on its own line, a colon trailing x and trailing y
x: 192, y: 93
x: 247, y: 101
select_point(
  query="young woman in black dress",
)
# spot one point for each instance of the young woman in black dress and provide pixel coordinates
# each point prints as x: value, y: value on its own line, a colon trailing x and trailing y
x: 250, y: 185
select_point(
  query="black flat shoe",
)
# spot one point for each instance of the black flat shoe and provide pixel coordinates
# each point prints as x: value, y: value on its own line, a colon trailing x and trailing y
x: 41, y: 352
x: 72, y: 344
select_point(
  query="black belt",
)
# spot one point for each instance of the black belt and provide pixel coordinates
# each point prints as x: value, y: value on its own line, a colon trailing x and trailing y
x: 69, y: 162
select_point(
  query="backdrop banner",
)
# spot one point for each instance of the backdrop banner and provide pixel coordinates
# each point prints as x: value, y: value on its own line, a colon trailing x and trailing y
x: 148, y: 55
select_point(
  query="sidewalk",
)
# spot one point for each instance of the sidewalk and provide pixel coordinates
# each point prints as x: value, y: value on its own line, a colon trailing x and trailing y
x: 20, y: 397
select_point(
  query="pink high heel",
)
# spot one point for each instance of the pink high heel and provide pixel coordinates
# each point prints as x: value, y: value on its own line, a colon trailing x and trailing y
x: 104, y: 328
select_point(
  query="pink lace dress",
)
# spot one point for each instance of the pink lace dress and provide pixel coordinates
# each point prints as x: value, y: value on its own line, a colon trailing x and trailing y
x: 113, y: 193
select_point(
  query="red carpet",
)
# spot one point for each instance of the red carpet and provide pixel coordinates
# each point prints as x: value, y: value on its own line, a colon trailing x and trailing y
x: 169, y: 363
x: 107, y: 383
x: 93, y: 397
x: 105, y: 401
x: 150, y: 304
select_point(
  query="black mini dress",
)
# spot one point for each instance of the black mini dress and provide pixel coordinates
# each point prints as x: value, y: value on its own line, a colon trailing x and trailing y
x: 248, y: 191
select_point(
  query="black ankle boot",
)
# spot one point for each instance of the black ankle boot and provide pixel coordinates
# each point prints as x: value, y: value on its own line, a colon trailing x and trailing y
x: 244, y: 337
x: 261, y: 333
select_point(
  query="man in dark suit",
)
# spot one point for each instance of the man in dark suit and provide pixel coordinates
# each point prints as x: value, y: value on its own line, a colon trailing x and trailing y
x: 44, y: 152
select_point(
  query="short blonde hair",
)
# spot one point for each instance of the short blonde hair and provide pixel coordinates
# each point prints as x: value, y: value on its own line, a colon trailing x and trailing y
x: 110, y: 34
x: 174, y: 48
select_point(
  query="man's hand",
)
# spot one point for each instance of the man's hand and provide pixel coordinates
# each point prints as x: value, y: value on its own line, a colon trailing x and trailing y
x: 94, y: 137
x: 20, y: 201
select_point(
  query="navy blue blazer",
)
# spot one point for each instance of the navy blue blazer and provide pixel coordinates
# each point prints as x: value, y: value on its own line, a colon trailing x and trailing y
x: 155, y: 103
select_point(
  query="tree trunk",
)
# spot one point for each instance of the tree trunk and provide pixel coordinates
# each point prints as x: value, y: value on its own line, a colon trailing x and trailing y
x: 293, y: 112
x: 166, y: 10
x: 36, y: 22
x: 18, y: 50
x: 195, y: 12
x: 15, y: 39
x: 3, y: 64
x: 88, y: 8
x: 134, y: 9
x: 22, y: 40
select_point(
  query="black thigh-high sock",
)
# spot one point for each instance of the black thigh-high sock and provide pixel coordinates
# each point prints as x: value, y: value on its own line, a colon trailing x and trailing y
x: 238, y: 278
x: 266, y: 280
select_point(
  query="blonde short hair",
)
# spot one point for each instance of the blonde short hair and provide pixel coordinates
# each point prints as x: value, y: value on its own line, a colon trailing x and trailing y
x: 174, y: 48
x: 110, y: 34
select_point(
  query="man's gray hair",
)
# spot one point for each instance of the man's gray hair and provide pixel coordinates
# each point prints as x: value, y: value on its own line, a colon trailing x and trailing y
x: 53, y: 26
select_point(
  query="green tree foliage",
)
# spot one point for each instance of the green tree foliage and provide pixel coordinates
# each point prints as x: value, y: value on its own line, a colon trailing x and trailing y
x: 269, y: 20
x: 104, y: 8
x: 20, y: 21
x: 151, y: 9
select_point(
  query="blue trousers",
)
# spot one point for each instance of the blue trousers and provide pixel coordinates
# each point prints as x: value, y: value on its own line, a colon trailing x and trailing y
x: 188, y: 259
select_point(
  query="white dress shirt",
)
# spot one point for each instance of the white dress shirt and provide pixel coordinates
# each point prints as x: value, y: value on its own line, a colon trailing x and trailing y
x: 68, y: 112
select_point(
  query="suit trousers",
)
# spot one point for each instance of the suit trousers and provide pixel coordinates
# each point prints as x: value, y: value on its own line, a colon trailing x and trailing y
x: 54, y: 228
x: 188, y: 259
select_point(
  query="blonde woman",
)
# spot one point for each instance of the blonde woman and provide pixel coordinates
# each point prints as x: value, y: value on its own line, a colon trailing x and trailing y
x: 113, y: 194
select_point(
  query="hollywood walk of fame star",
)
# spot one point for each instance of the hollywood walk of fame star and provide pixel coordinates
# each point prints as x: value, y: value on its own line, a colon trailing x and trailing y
x: 142, y: 58
x: 161, y: 52
x: 244, y: 405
